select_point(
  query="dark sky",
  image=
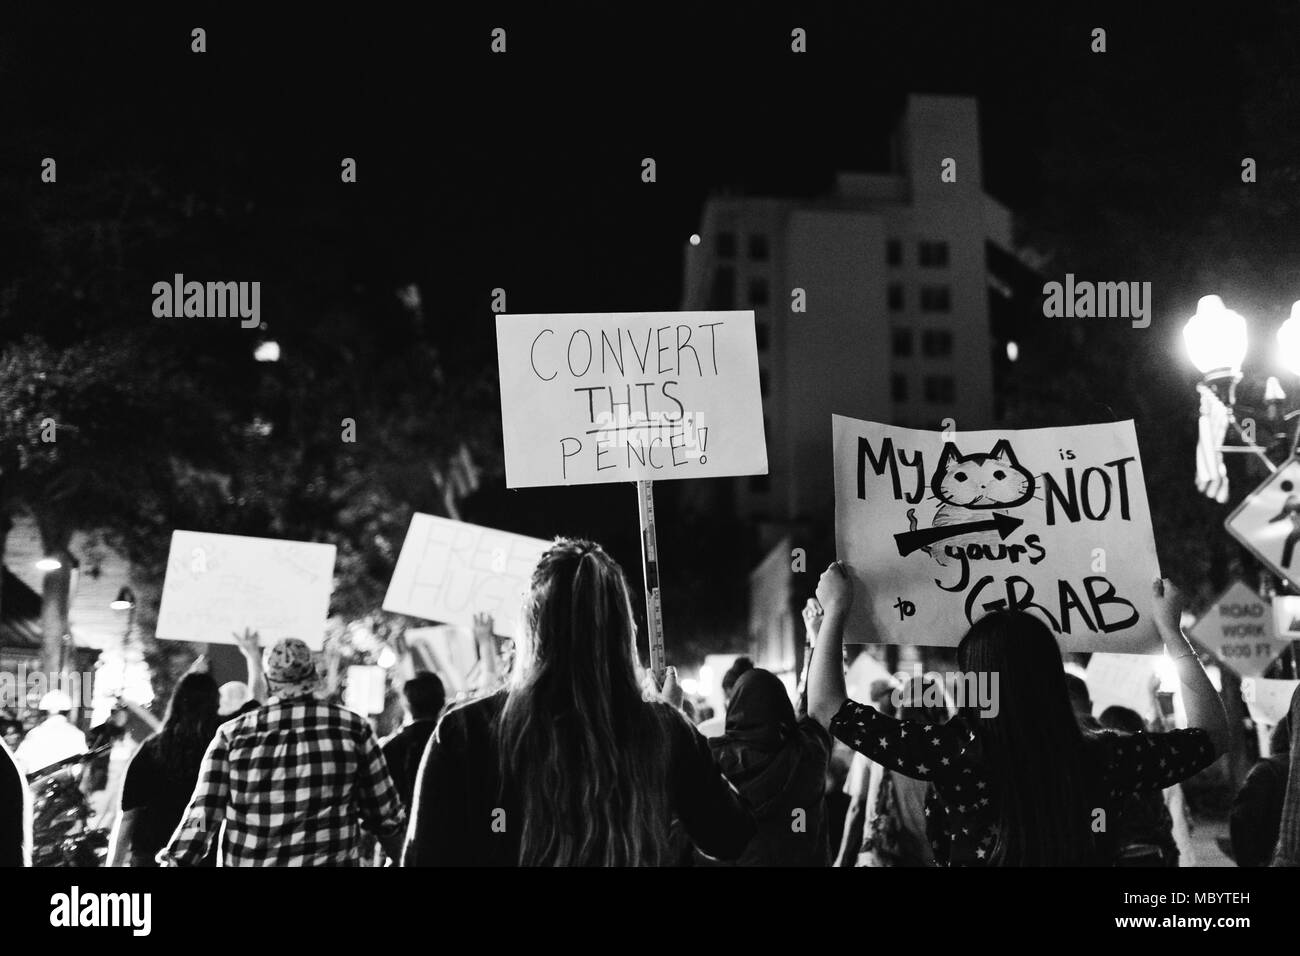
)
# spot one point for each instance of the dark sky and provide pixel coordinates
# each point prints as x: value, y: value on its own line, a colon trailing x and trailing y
x: 523, y: 171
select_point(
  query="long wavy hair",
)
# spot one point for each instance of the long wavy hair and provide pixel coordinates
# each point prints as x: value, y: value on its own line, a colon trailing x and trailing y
x: 189, y: 727
x: 1033, y: 750
x: 583, y: 748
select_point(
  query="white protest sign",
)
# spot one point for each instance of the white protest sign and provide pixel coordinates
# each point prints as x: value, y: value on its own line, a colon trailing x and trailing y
x: 1122, y: 680
x: 365, y: 690
x: 219, y: 584
x: 941, y: 529
x: 635, y: 396
x: 1238, y: 629
x: 447, y: 651
x: 450, y: 570
x: 1286, y: 617
x: 1268, y: 700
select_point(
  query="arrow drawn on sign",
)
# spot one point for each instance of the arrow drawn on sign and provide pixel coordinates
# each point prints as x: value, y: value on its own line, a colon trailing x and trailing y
x: 909, y: 541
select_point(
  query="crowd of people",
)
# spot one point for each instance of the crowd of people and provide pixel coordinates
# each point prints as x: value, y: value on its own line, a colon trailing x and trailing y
x: 581, y: 757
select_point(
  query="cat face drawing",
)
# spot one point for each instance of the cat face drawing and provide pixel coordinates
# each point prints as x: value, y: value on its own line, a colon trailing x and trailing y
x: 994, y: 480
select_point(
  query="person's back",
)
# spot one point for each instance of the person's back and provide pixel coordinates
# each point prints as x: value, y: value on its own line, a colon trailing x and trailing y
x: 425, y: 698
x: 54, y: 739
x: 571, y: 765
x: 294, y: 781
x: 15, y: 812
x: 1256, y: 817
x: 779, y: 766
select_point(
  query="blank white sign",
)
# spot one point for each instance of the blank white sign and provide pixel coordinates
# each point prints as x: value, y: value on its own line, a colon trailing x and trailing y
x: 219, y: 584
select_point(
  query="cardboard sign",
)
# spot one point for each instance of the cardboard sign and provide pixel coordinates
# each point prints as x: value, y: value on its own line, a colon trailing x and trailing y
x: 219, y: 584
x: 1238, y: 629
x: 1268, y: 700
x: 941, y: 529
x: 449, y: 571
x: 1268, y: 522
x: 1122, y: 680
x: 636, y: 396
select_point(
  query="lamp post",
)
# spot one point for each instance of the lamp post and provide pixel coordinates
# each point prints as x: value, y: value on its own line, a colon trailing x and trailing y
x: 1216, y: 340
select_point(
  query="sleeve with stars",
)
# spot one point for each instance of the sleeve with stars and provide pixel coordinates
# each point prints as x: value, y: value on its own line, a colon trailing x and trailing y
x: 921, y: 751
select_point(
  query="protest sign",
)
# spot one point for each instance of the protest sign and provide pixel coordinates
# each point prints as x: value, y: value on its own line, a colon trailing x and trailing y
x: 941, y: 529
x: 219, y: 584
x: 449, y: 652
x: 1238, y: 629
x: 636, y: 396
x: 1268, y: 700
x: 365, y: 690
x: 450, y: 570
x: 1122, y: 680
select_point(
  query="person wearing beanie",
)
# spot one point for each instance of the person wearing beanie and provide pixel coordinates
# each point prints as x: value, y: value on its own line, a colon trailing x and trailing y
x: 294, y: 782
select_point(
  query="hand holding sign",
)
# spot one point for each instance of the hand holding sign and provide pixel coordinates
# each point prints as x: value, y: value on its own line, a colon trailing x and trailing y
x: 835, y: 590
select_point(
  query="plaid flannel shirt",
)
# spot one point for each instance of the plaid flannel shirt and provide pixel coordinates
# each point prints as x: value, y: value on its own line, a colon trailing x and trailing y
x: 293, y: 782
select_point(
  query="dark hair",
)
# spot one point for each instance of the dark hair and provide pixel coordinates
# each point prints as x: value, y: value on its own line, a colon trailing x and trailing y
x: 1123, y: 719
x: 1080, y: 698
x: 742, y: 665
x: 1031, y: 747
x: 916, y: 700
x: 189, y: 726
x: 1279, y: 744
x: 586, y: 752
x: 424, y: 695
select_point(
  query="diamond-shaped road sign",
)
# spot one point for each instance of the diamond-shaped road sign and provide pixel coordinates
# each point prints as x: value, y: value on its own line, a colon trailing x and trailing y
x: 1239, y: 630
x: 1268, y: 522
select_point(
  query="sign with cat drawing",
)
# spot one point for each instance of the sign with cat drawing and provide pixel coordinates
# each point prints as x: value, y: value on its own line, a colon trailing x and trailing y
x: 941, y: 528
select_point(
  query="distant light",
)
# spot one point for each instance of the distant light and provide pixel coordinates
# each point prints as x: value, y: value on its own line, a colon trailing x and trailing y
x: 1167, y: 671
x: 1288, y: 342
x: 1013, y: 351
x: 268, y: 351
x: 695, y: 239
x: 48, y: 564
x: 1273, y: 390
x: 1216, y: 338
x: 691, y: 686
x: 705, y: 684
x: 387, y: 657
x: 124, y: 601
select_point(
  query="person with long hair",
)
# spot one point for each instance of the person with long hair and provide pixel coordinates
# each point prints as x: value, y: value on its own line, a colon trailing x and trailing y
x: 162, y: 774
x: 1021, y: 784
x: 570, y: 764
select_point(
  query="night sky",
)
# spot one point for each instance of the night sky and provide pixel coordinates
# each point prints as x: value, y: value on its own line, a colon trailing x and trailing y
x: 522, y: 171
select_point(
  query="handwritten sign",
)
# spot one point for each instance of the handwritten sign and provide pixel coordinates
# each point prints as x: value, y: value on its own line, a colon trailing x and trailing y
x: 943, y: 528
x: 220, y: 584
x: 1238, y: 629
x: 449, y: 571
x: 594, y: 398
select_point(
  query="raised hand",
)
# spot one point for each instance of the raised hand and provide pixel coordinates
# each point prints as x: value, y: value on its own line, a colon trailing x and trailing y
x: 835, y: 590
x: 813, y: 613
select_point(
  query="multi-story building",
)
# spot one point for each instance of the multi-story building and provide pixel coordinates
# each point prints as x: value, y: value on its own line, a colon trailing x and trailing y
x: 871, y: 302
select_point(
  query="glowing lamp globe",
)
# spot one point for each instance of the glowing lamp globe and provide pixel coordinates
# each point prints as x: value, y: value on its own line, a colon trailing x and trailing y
x: 1216, y: 339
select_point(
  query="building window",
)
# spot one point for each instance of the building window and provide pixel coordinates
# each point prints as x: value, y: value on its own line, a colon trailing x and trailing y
x: 895, y: 297
x: 758, y: 248
x: 758, y: 292
x: 893, y: 252
x: 939, y: 389
x: 899, y: 388
x: 934, y: 255
x: 723, y: 295
x: 902, y: 342
x: 725, y: 245
x: 936, y: 343
x: 760, y: 335
x: 936, y: 298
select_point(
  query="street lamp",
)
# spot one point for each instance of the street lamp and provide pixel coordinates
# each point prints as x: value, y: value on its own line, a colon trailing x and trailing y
x: 1288, y: 341
x: 125, y: 601
x: 1216, y: 343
